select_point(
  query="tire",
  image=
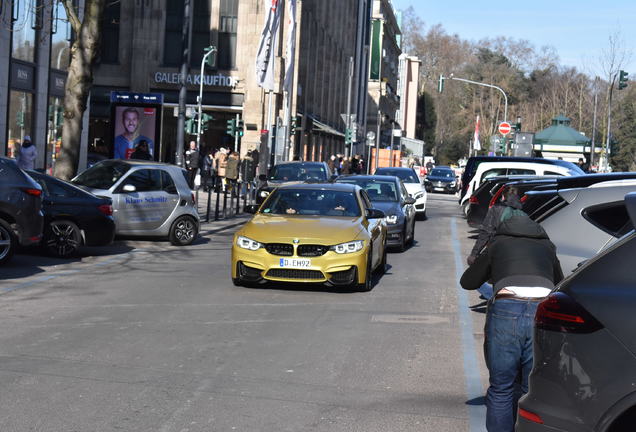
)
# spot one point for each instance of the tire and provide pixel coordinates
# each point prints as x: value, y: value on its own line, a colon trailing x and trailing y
x: 412, y: 239
x: 183, y: 231
x: 62, y: 238
x: 237, y: 282
x: 404, y: 243
x: 367, y: 284
x: 465, y: 208
x: 381, y: 269
x: 8, y: 242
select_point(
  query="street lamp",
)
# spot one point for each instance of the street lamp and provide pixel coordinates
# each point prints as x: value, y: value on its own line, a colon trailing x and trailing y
x: 209, y: 50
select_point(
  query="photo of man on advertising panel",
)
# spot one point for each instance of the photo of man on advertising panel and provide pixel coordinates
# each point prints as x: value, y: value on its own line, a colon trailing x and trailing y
x: 133, y: 126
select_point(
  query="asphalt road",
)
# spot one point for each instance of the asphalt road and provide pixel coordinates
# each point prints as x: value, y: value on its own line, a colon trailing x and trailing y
x: 149, y: 337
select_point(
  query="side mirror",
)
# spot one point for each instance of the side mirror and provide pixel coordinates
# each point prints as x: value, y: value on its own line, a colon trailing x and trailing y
x: 262, y: 177
x: 129, y: 188
x: 251, y: 208
x: 333, y: 178
x: 375, y: 214
x: 409, y: 200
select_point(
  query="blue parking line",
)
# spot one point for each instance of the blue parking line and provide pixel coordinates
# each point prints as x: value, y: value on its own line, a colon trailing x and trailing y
x: 474, y: 390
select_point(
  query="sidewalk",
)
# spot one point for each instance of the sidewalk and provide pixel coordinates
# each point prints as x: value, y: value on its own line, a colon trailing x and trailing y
x: 226, y: 220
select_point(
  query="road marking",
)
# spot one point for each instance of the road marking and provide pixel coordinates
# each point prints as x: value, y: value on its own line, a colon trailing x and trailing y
x: 474, y: 390
x: 409, y: 319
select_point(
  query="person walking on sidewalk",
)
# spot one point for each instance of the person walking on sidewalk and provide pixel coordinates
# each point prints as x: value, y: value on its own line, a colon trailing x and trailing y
x: 28, y: 154
x: 232, y: 169
x: 522, y: 263
x: 192, y: 162
x: 220, y: 159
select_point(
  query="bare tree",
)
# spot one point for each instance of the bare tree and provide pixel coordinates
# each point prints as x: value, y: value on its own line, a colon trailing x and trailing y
x: 84, y: 49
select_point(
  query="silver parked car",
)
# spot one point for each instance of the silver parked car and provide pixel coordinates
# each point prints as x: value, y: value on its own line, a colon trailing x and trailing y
x: 582, y: 221
x: 584, y: 343
x: 149, y: 198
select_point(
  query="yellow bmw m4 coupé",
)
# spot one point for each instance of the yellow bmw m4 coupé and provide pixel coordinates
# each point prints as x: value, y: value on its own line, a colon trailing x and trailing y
x: 312, y: 233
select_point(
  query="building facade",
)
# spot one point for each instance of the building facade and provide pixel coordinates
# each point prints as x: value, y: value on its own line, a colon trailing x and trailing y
x: 383, y: 98
x: 34, y: 56
x: 408, y: 89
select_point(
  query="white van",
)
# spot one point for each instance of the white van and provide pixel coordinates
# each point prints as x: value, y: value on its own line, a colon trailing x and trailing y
x: 491, y: 169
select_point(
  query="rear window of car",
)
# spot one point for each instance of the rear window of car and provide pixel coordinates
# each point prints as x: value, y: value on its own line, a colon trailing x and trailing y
x: 298, y: 172
x: 442, y: 173
x: 406, y: 175
x: 610, y: 217
x: 377, y: 190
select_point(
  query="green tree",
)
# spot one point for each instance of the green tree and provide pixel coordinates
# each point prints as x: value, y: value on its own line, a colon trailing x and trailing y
x: 426, y: 121
x: 623, y: 156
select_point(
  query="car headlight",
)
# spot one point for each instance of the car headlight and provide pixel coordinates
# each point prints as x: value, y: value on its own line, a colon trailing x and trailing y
x: 248, y: 243
x: 349, y: 247
x: 418, y: 195
x: 391, y: 219
x: 264, y: 194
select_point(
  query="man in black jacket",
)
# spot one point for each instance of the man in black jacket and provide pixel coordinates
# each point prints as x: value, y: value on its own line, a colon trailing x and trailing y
x: 522, y: 264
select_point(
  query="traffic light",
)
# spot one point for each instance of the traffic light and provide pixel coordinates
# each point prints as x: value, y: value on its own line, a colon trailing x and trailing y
x: 440, y: 84
x: 239, y: 128
x: 622, y: 80
x: 348, y: 136
x: 501, y: 146
x: 211, y: 59
x: 231, y: 127
x: 293, y: 125
x: 205, y: 119
x: 191, y: 126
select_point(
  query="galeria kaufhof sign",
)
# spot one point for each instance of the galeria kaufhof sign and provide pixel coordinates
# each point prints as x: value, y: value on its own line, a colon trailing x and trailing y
x: 208, y: 80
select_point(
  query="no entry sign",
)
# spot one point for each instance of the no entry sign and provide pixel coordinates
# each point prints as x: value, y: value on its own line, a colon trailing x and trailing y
x: 504, y: 128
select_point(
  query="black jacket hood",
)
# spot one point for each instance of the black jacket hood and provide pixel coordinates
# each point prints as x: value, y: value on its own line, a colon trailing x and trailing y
x: 521, y: 226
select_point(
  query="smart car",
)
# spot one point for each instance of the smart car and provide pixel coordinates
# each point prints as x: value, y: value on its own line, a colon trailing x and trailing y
x: 149, y: 198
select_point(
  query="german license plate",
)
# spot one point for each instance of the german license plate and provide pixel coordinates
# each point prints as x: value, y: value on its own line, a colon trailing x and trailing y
x: 439, y: 188
x: 295, y: 262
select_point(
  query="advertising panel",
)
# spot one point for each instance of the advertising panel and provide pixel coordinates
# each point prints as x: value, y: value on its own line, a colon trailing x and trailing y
x: 136, y: 121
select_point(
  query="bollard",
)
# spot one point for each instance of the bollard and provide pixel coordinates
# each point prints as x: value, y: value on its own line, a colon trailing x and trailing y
x: 247, y: 188
x: 225, y: 203
x: 218, y: 201
x: 238, y: 198
x: 207, y: 211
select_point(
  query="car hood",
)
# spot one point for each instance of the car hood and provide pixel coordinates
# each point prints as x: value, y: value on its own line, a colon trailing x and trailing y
x: 284, y: 229
x: 413, y: 188
x: 440, y: 179
x: 388, y: 207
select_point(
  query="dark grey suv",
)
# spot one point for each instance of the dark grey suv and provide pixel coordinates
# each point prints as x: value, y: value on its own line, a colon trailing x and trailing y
x: 584, y: 347
x: 20, y: 209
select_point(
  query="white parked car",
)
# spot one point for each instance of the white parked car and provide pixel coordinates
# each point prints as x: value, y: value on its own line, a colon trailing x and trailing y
x: 492, y: 169
x: 413, y: 184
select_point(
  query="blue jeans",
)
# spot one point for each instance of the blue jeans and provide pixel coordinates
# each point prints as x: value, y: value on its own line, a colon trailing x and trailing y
x: 508, y: 351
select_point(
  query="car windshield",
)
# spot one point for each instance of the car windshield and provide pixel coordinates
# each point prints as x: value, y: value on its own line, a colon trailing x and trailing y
x: 442, y: 173
x: 377, y: 190
x: 298, y: 172
x: 312, y: 202
x: 102, y: 175
x: 406, y: 175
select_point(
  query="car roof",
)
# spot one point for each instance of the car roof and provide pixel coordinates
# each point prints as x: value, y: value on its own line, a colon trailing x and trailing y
x: 444, y: 167
x: 590, y: 179
x: 369, y: 177
x: 299, y: 163
x: 394, y: 168
x: 512, y: 164
x: 342, y: 187
x: 136, y: 163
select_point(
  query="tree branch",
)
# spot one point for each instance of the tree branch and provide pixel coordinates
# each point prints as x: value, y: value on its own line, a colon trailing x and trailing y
x: 72, y: 16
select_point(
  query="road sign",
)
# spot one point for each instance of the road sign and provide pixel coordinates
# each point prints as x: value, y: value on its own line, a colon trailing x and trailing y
x: 345, y: 116
x: 504, y: 128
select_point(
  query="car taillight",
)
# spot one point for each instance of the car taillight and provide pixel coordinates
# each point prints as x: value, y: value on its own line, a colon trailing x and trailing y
x: 524, y: 198
x: 34, y: 192
x: 530, y: 416
x: 107, y: 209
x: 194, y: 200
x: 560, y: 313
x: 495, y: 197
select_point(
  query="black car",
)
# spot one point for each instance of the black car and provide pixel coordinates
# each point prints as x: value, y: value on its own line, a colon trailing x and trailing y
x: 441, y: 179
x: 20, y: 209
x: 73, y: 217
x: 289, y: 173
x: 492, y: 188
x: 387, y: 193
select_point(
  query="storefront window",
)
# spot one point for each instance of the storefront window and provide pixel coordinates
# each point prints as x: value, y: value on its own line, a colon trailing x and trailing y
x: 54, y: 135
x: 20, y: 120
x: 23, y: 33
x: 60, y: 38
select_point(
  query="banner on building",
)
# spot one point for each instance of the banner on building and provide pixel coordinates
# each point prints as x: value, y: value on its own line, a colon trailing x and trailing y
x: 265, y: 56
x: 476, y: 143
x: 290, y: 50
x: 376, y: 49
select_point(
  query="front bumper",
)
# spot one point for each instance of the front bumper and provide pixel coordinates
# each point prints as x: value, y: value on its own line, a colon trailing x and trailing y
x: 394, y: 234
x: 330, y: 268
x: 440, y: 187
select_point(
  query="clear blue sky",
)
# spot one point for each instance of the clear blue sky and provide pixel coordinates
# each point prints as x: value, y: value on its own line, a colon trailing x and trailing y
x: 578, y: 30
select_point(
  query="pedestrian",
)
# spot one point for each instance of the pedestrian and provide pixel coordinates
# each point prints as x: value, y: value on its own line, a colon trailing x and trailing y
x: 331, y: 163
x: 522, y: 263
x: 232, y: 169
x: 248, y: 171
x: 141, y: 151
x: 584, y: 166
x: 220, y: 161
x: 207, y: 170
x: 28, y: 154
x: 493, y: 217
x: 429, y: 167
x: 355, y: 164
x: 192, y: 162
x: 346, y: 166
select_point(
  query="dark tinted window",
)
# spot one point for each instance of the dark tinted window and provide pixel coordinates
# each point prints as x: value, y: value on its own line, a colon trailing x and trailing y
x: 377, y: 190
x: 442, y: 173
x: 144, y: 180
x: 102, y: 175
x: 610, y: 217
x: 57, y: 190
x: 109, y: 48
x: 298, y: 172
x: 406, y: 175
x: 167, y: 184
